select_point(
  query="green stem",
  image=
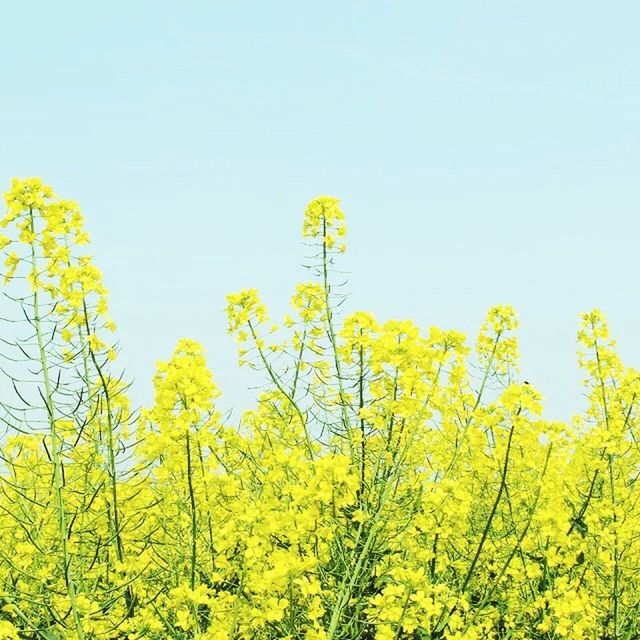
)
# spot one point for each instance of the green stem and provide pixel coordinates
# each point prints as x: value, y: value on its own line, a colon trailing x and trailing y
x: 192, y: 504
x: 111, y: 461
x: 56, y: 455
x: 330, y: 328
x: 349, y: 581
x: 282, y: 390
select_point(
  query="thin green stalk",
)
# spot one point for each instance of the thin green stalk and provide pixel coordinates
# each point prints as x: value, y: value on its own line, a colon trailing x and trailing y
x: 616, y: 560
x: 58, y: 481
x: 192, y: 504
x: 282, y: 390
x: 349, y: 581
x: 616, y: 556
x: 494, y: 508
x: 208, y: 503
x: 518, y: 545
x: 363, y: 444
x: 330, y: 328
x: 487, y: 527
x: 111, y: 462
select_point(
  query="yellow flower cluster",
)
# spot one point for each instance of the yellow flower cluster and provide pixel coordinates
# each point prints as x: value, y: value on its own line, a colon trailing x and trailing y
x: 324, y: 220
x: 184, y: 390
x: 495, y: 343
x: 48, y: 231
x: 243, y: 308
x: 389, y: 481
x: 308, y: 300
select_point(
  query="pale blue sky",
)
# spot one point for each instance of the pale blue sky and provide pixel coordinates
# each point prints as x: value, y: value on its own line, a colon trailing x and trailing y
x: 485, y: 152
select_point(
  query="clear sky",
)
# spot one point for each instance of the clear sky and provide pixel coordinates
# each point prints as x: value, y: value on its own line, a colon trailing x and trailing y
x: 485, y: 152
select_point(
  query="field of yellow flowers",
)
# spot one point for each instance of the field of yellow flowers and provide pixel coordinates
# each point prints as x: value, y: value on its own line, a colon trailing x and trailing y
x: 389, y: 483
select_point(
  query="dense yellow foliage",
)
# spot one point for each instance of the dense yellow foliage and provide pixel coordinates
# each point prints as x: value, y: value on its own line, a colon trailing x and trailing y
x: 390, y: 482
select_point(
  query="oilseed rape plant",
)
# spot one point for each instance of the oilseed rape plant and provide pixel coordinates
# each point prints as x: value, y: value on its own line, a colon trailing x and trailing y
x: 389, y: 482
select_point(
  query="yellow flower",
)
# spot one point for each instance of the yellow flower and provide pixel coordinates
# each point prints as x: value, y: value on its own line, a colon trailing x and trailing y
x: 322, y: 219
